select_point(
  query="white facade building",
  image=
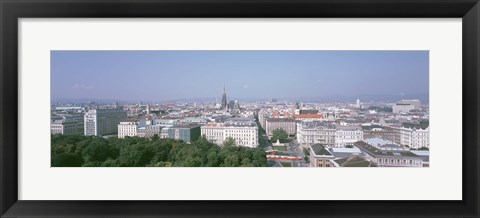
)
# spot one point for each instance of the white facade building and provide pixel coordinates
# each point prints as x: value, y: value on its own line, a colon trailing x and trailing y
x: 128, y: 129
x: 214, y: 132
x: 310, y: 133
x: 244, y: 134
x: 347, y: 135
x: 415, y: 138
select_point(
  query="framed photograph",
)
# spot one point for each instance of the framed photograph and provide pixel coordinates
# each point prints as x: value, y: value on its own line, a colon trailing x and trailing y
x: 239, y: 108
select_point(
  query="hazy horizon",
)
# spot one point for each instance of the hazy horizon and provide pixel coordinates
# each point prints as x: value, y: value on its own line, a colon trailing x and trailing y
x: 172, y: 75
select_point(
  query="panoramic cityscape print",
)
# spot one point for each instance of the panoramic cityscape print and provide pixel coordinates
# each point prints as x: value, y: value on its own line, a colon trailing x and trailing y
x: 236, y: 108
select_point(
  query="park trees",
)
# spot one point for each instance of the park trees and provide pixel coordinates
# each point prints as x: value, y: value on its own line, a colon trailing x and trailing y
x: 88, y: 151
x: 280, y: 135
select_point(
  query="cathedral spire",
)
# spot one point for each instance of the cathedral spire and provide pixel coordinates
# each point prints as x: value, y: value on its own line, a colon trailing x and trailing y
x: 224, y: 98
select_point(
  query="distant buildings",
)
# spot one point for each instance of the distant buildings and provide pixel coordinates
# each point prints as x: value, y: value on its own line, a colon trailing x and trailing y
x: 337, y: 134
x: 405, y: 106
x: 100, y: 122
x: 193, y: 120
x: 308, y: 117
x: 307, y: 111
x: 262, y: 119
x: 402, y: 108
x: 287, y: 124
x: 67, y: 124
x: 414, y: 102
x: 224, y: 99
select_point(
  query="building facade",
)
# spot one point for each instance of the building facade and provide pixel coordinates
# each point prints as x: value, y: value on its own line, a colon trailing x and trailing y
x: 347, y: 135
x: 287, y: 124
x: 67, y: 124
x: 150, y: 131
x: 243, y: 131
x: 415, y: 138
x: 99, y: 122
x: 187, y: 133
x: 309, y: 133
x: 381, y: 132
x: 128, y: 128
x: 320, y: 156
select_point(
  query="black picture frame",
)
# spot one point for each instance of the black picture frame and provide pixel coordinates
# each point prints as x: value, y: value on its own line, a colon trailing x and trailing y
x: 12, y: 10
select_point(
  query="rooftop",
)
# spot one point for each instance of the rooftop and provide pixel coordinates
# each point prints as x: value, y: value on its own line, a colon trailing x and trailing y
x: 349, y: 128
x: 186, y: 126
x: 280, y: 120
x: 376, y: 152
x: 319, y: 150
x: 304, y: 116
x: 354, y: 161
x: 377, y: 141
x: 316, y: 124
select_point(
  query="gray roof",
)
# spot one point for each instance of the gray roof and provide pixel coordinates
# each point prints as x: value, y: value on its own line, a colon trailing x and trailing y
x: 280, y: 120
x: 317, y: 124
x: 320, y: 150
x: 375, y: 152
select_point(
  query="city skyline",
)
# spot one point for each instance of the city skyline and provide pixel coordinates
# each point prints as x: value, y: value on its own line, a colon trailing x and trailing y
x: 171, y: 75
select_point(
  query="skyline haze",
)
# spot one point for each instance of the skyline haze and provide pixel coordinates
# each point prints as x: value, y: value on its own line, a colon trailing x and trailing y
x: 170, y: 75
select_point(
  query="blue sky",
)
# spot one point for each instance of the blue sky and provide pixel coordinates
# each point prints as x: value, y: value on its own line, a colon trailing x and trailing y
x: 168, y: 75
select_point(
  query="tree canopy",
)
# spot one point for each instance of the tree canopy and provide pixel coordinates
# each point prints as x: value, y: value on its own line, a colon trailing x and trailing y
x: 280, y: 135
x: 89, y: 151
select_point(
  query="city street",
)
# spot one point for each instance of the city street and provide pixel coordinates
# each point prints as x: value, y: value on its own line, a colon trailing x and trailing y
x: 292, y: 148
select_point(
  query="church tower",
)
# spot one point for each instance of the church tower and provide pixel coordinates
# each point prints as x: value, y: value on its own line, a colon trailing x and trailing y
x: 224, y: 98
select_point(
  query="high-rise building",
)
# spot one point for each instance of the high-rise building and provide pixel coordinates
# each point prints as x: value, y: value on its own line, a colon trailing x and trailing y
x: 224, y: 99
x: 99, y: 122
